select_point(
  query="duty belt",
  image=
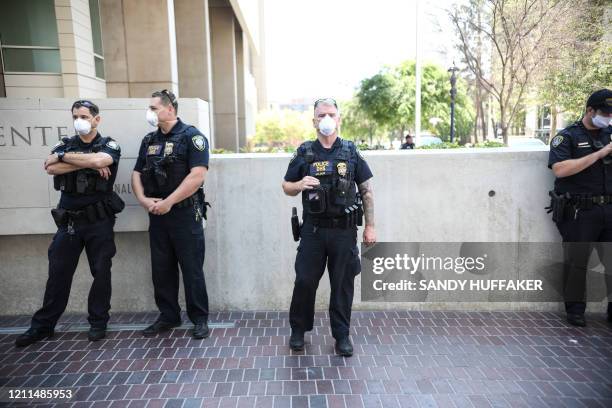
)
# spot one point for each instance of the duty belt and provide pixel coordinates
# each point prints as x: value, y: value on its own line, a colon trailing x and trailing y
x: 189, y: 201
x: 340, y: 222
x: 585, y: 201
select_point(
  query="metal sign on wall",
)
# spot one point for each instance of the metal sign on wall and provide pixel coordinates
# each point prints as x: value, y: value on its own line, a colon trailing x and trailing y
x: 29, y: 128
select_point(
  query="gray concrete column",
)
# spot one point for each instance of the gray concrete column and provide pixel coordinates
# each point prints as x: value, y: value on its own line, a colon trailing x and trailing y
x: 242, y: 58
x: 225, y: 90
x: 194, y: 52
x: 141, y: 52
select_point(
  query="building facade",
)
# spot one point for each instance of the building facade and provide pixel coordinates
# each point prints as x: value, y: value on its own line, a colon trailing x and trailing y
x: 208, y: 49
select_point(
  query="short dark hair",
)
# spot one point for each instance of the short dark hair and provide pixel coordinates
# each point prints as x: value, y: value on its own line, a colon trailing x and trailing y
x: 84, y: 103
x: 408, y: 135
x: 167, y: 98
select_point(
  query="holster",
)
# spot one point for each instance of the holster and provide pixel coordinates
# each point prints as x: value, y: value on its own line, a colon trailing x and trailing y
x: 115, y: 203
x: 60, y: 217
x: 295, y: 224
x: 559, y: 204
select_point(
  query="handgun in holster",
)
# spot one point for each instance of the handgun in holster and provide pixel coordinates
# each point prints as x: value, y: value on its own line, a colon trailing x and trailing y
x: 558, y: 205
x: 295, y: 224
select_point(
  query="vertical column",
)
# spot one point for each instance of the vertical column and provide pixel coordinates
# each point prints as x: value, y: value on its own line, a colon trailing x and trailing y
x: 225, y: 92
x: 76, y: 50
x: 115, y: 50
x: 194, y: 51
x: 242, y: 45
x: 142, y: 44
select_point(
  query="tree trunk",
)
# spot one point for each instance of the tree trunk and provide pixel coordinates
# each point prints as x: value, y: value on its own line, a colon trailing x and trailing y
x: 553, y: 122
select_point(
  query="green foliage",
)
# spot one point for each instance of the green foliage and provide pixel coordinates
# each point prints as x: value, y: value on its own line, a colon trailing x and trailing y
x: 443, y: 145
x: 279, y: 130
x: 388, y: 99
x: 490, y: 143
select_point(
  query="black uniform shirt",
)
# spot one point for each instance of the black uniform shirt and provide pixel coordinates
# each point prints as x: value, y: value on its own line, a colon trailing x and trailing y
x: 574, y: 142
x: 75, y: 201
x: 298, y: 168
x: 197, y: 145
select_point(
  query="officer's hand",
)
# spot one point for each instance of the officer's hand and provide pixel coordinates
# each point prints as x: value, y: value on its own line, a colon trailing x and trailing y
x: 369, y: 235
x: 148, y: 202
x: 52, y: 159
x: 160, y: 207
x: 605, y: 151
x: 105, y: 173
x: 308, y: 182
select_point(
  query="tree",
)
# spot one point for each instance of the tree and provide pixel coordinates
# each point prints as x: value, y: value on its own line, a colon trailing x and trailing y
x: 388, y: 99
x: 356, y: 125
x: 278, y: 129
x: 520, y: 36
x: 583, y: 65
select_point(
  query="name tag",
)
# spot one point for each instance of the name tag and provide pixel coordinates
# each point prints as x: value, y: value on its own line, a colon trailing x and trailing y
x: 584, y: 144
x: 321, y: 168
x: 154, y: 150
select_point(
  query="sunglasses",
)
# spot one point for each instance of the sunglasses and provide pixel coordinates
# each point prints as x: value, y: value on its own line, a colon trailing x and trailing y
x: 170, y: 95
x: 329, y: 101
x: 87, y: 104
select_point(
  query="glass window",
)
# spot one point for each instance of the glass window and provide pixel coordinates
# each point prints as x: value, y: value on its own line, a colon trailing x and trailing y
x: 31, y: 60
x: 29, y: 22
x: 28, y: 32
x: 96, y: 33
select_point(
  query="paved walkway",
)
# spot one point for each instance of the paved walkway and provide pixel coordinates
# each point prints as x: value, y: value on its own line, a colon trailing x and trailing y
x: 402, y: 359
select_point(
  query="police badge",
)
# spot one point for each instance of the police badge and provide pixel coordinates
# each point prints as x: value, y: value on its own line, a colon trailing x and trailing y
x: 113, y: 145
x: 198, y: 142
x: 557, y: 140
x: 341, y: 169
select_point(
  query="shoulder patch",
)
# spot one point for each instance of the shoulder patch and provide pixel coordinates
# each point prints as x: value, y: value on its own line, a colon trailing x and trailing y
x: 113, y: 145
x: 295, y: 154
x: 359, y: 154
x: 557, y: 140
x: 199, y: 142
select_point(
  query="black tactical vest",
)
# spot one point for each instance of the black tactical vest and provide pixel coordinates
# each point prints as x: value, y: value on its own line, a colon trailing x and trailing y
x: 166, y: 163
x: 83, y: 181
x: 337, y: 177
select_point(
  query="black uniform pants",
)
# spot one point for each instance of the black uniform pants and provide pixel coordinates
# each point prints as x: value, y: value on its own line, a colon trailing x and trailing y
x: 591, y: 229
x: 176, y: 238
x: 64, y: 252
x: 338, y: 249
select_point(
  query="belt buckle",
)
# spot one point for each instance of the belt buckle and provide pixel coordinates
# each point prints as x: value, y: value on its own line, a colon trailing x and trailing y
x: 601, y: 200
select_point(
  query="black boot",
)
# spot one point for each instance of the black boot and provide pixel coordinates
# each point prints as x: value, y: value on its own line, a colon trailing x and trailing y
x: 159, y: 327
x: 576, y: 319
x: 32, y: 336
x: 201, y: 331
x: 96, y: 333
x: 344, y: 347
x: 296, y: 342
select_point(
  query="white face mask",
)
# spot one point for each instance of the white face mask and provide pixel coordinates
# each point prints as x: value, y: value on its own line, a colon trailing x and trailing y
x: 601, y: 122
x: 327, y: 126
x: 82, y: 126
x: 152, y: 118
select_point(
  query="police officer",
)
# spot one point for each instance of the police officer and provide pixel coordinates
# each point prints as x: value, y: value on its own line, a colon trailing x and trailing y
x: 409, y: 144
x: 84, y: 168
x: 325, y: 172
x: 582, y: 198
x: 167, y: 181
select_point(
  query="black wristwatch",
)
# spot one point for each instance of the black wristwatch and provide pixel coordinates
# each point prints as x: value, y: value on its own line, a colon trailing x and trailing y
x: 60, y: 155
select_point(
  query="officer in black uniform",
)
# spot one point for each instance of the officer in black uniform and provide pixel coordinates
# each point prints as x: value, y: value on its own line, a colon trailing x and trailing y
x: 325, y: 172
x: 582, y: 199
x: 168, y: 181
x: 409, y: 144
x: 84, y: 168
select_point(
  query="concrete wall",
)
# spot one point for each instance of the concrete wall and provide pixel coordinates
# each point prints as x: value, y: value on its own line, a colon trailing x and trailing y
x: 442, y: 196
